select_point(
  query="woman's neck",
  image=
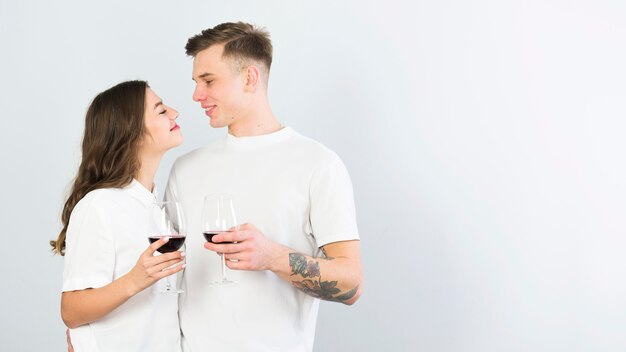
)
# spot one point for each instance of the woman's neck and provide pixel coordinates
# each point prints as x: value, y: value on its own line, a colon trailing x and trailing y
x: 147, y: 171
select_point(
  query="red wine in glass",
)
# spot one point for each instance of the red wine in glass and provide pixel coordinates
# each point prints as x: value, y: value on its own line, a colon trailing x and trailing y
x: 208, y: 235
x: 166, y: 219
x: 218, y: 216
x: 174, y: 244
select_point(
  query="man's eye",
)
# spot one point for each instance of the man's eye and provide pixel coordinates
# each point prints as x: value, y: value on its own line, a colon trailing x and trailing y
x: 208, y: 82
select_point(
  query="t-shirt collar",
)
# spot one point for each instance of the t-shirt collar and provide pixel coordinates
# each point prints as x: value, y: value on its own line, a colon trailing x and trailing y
x: 137, y: 190
x: 260, y: 141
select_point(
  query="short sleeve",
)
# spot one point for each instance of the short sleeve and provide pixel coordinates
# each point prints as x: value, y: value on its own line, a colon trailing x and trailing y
x: 333, y: 214
x: 90, y: 247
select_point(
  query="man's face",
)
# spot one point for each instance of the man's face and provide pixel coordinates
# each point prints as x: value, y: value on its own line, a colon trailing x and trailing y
x: 219, y: 89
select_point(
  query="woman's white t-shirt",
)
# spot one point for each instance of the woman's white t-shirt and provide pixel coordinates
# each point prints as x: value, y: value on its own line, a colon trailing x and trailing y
x: 108, y: 230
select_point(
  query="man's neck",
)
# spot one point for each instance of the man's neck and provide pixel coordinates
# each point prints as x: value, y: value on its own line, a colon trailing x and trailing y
x: 256, y: 123
x: 257, y: 129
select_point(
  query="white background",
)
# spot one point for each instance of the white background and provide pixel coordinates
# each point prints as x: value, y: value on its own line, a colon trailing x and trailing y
x: 485, y: 140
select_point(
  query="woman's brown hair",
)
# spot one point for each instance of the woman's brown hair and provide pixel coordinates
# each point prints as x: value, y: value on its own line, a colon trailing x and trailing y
x: 114, y: 127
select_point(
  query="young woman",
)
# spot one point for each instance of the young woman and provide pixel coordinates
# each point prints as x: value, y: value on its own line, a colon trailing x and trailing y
x: 109, y: 300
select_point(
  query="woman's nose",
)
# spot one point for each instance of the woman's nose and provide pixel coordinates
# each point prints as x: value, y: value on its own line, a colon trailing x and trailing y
x: 174, y: 114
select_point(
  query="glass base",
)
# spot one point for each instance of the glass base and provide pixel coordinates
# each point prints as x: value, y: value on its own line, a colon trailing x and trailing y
x: 224, y: 283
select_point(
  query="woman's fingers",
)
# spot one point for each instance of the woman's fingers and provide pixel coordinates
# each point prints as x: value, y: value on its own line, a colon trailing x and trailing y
x: 150, y: 260
x: 162, y: 262
x: 70, y: 348
x: 164, y: 265
x: 156, y: 245
x: 169, y: 269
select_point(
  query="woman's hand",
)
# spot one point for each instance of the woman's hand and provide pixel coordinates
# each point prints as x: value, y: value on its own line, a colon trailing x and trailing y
x: 84, y: 306
x: 150, y: 268
x: 70, y: 348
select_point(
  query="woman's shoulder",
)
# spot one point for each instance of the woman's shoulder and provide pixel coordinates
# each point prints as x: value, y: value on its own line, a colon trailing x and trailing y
x: 93, y: 210
x: 101, y: 198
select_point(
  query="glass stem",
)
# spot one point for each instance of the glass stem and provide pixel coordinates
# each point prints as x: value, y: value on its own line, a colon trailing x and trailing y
x: 223, y: 268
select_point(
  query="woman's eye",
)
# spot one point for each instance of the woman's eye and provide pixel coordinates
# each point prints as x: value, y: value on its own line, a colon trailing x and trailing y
x: 163, y: 112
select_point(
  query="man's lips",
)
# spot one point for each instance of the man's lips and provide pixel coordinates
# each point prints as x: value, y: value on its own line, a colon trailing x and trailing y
x: 208, y: 110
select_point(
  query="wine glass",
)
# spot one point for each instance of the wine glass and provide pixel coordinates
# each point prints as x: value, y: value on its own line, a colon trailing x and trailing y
x: 218, y: 216
x: 167, y: 220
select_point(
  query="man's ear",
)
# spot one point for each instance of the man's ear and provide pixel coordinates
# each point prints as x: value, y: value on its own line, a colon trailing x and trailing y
x: 253, y: 76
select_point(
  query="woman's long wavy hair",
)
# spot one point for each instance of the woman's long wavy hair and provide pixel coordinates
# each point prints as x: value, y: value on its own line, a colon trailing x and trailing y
x: 114, y: 127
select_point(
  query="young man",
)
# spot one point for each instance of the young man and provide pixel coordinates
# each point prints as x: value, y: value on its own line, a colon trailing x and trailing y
x: 298, y: 240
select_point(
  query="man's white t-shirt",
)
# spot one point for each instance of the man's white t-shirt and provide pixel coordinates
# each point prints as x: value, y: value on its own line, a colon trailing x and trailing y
x: 108, y: 230
x: 297, y: 193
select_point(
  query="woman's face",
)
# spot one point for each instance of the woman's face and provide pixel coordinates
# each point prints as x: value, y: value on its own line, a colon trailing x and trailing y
x: 162, y: 132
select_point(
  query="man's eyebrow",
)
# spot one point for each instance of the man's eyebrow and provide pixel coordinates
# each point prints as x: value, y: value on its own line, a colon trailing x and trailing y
x: 203, y: 75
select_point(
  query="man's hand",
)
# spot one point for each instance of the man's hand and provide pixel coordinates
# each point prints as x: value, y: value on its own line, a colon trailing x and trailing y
x: 248, y: 249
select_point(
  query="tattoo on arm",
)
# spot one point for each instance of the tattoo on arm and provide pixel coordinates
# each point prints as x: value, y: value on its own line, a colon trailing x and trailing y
x: 314, y: 286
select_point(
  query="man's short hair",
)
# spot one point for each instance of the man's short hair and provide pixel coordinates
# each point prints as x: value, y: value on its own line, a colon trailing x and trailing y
x: 243, y: 43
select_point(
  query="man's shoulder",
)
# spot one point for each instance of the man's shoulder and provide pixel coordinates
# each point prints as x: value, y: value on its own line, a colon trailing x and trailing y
x: 307, y: 143
x: 313, y: 149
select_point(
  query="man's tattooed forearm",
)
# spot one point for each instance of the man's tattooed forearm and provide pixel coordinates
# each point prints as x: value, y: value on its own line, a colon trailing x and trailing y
x: 315, y: 287
x: 325, y: 290
x: 300, y: 266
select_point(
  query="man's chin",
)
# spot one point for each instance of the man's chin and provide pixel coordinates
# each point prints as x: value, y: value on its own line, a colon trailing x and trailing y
x: 215, y: 123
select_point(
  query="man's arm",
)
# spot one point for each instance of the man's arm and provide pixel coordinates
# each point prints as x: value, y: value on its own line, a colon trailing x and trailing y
x: 337, y: 277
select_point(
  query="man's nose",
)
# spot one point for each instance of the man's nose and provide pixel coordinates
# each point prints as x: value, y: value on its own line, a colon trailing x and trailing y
x: 198, y: 95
